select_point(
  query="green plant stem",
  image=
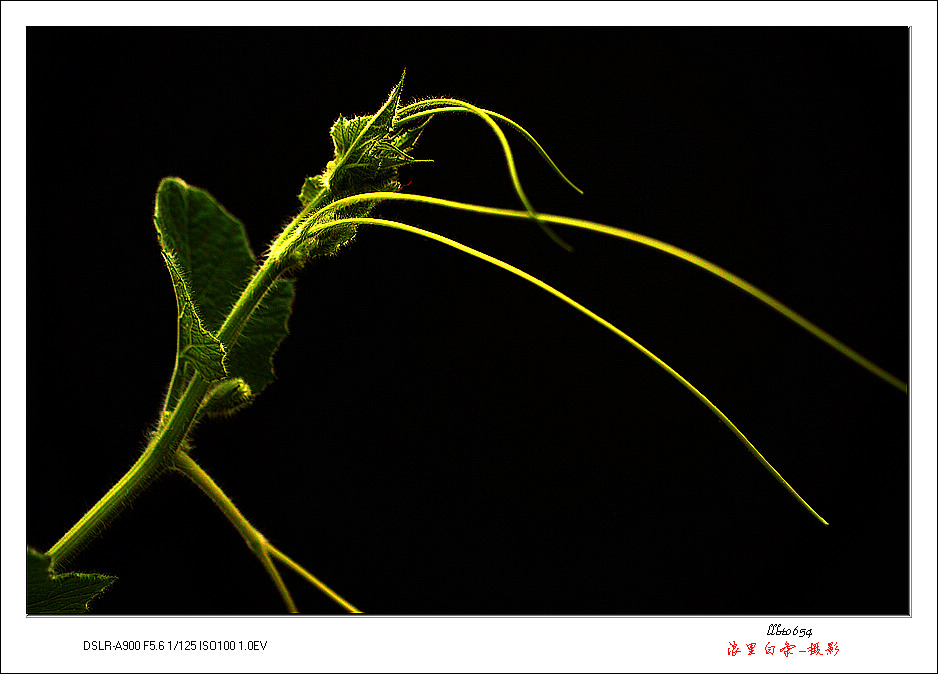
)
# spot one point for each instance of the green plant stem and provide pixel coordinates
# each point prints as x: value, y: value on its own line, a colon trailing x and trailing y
x: 169, y: 434
x: 312, y: 579
x: 256, y: 541
x: 249, y: 300
x: 154, y: 459
x: 278, y: 581
x: 287, y: 232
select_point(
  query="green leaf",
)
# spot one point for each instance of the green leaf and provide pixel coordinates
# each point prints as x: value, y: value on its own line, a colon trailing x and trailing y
x: 196, y: 346
x: 354, y: 137
x: 312, y: 188
x: 369, y: 150
x: 211, y: 248
x: 47, y: 592
x: 350, y: 134
x: 368, y: 153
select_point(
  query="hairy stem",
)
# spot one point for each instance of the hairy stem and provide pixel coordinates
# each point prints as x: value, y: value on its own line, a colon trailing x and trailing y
x: 172, y: 431
x: 287, y: 232
x: 154, y: 459
x: 249, y: 300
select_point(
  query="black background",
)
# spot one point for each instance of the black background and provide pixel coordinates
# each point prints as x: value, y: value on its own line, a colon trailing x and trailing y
x: 444, y: 438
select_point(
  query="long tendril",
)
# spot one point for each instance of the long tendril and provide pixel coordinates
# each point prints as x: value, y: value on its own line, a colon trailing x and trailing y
x: 438, y: 105
x: 651, y: 242
x: 603, y: 322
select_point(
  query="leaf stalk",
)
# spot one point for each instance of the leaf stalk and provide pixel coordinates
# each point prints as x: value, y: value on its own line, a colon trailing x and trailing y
x: 256, y: 541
